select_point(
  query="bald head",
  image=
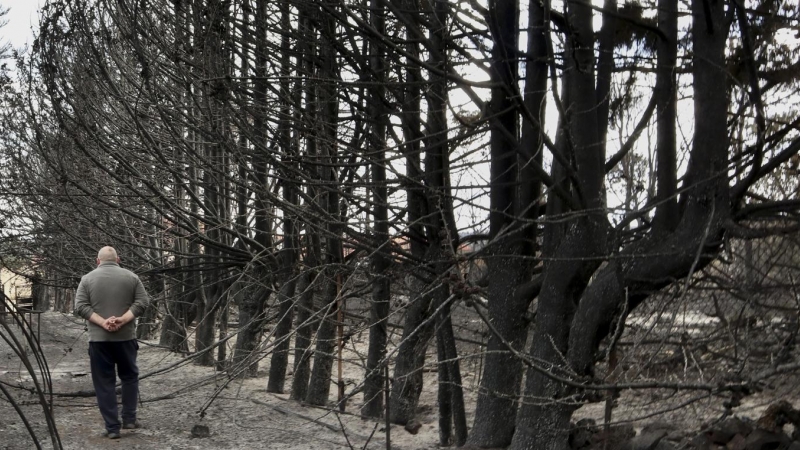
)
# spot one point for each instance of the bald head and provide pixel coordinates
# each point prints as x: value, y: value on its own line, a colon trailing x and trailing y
x: 107, y: 254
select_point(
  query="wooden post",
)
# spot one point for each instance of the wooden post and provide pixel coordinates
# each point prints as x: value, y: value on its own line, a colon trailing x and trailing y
x: 386, y: 401
x: 340, y: 333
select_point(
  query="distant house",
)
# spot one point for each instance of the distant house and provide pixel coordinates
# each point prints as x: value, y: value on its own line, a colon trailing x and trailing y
x: 15, y: 285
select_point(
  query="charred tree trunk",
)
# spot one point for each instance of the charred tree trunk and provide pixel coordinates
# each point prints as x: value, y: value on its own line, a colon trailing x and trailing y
x: 41, y: 302
x: 418, y: 326
x: 309, y: 285
x: 213, y: 301
x: 146, y: 324
x: 497, y: 399
x: 442, y: 233
x: 320, y: 383
x: 576, y: 322
x: 380, y: 259
x: 173, y: 327
x: 177, y: 300
x: 305, y: 327
x: 251, y: 303
x: 666, y: 88
x: 214, y: 29
x: 289, y: 253
x: 444, y: 393
x: 417, y: 333
x: 452, y: 415
x: 280, y: 351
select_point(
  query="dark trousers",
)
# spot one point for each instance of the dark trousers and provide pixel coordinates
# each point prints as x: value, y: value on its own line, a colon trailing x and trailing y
x: 104, y: 358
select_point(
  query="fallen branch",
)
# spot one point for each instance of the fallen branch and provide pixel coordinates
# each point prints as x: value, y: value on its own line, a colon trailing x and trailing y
x: 292, y: 413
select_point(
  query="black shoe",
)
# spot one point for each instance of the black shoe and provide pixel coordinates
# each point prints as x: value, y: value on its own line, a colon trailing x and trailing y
x: 132, y: 426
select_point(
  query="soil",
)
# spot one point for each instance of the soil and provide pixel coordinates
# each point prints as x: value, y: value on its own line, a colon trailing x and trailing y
x: 242, y: 414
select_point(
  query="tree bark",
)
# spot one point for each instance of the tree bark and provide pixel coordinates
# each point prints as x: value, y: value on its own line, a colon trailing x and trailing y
x: 418, y: 326
x: 500, y: 383
x: 418, y: 330
x: 280, y: 351
x: 667, y: 213
x: 252, y: 302
x: 208, y: 311
x: 380, y: 258
x: 176, y: 306
x: 320, y: 383
x: 307, y: 323
x: 305, y: 327
x: 289, y: 253
x: 452, y: 414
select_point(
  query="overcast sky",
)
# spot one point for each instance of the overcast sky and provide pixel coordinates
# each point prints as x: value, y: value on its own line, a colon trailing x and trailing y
x: 21, y: 18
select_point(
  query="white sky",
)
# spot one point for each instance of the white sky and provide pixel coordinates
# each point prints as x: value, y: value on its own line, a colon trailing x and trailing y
x: 22, y: 18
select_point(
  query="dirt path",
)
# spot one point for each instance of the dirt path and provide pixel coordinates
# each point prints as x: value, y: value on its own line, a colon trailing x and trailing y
x: 242, y: 416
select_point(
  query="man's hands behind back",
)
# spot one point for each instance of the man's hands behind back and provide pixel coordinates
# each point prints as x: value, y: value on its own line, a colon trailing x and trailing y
x: 112, y: 324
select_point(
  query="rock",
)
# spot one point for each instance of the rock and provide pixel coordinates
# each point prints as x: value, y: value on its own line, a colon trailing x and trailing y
x: 200, y: 431
x: 674, y: 434
x: 580, y: 436
x: 587, y: 423
x: 794, y: 446
x: 724, y: 431
x: 580, y: 440
x: 701, y: 442
x: 647, y: 440
x: 777, y: 415
x: 738, y: 442
x: 659, y: 426
x: 616, y: 437
x: 413, y: 426
x: 766, y: 440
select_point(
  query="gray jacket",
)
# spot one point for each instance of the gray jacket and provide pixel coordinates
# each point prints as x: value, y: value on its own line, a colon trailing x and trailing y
x: 110, y: 290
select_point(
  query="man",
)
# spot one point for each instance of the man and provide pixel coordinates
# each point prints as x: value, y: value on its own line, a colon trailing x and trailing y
x: 111, y: 298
